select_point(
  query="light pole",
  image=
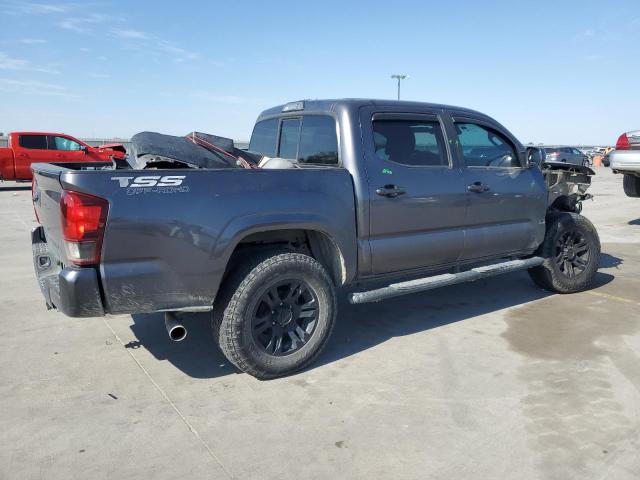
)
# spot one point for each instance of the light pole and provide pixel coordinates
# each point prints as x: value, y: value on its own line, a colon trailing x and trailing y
x: 399, y: 76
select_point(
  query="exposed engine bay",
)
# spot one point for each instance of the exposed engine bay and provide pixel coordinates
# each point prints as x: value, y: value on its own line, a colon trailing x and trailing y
x: 567, y: 185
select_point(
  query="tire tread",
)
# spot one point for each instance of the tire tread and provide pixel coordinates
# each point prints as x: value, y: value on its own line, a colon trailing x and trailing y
x: 545, y: 275
x: 233, y: 296
x: 631, y: 185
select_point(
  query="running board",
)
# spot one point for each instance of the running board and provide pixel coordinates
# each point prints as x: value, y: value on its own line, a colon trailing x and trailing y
x: 437, y: 281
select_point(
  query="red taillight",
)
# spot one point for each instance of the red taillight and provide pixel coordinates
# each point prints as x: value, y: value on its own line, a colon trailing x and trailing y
x: 623, y: 142
x: 83, y: 218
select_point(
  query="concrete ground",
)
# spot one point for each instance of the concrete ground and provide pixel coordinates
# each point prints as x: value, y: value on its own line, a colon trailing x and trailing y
x: 496, y: 379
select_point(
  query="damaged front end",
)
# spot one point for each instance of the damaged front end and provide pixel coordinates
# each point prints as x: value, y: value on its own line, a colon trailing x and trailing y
x: 567, y: 185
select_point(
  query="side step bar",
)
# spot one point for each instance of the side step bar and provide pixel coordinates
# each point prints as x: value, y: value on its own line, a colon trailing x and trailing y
x: 437, y: 281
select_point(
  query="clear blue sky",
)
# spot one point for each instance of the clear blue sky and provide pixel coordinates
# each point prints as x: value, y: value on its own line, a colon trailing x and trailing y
x: 551, y: 71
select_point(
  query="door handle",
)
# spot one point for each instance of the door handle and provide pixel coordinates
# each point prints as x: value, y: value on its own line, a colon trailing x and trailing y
x: 390, y: 191
x: 22, y: 155
x: 477, y: 187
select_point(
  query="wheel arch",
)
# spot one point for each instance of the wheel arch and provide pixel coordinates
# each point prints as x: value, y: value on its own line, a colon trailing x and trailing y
x: 305, y: 234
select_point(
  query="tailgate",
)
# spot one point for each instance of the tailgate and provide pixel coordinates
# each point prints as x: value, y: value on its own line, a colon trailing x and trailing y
x: 47, y: 191
x: 73, y: 290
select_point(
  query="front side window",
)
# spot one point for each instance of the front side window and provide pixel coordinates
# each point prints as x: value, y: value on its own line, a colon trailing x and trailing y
x: 265, y: 138
x: 410, y: 142
x: 485, y: 147
x: 35, y: 142
x: 63, y: 143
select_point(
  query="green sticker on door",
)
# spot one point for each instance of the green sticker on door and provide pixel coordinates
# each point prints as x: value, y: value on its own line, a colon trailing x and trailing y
x: 387, y: 171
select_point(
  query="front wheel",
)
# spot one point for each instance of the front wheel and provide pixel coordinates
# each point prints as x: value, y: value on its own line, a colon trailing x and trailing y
x: 275, y: 314
x: 571, y: 252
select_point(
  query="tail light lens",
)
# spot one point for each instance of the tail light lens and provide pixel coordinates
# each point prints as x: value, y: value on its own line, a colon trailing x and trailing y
x: 83, y: 219
x: 623, y: 142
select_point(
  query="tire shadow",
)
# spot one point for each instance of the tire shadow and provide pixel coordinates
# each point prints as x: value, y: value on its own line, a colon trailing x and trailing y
x: 358, y: 327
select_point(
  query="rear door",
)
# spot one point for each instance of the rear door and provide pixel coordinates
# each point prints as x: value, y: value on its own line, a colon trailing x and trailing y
x: 416, y: 191
x: 31, y: 149
x: 507, y: 200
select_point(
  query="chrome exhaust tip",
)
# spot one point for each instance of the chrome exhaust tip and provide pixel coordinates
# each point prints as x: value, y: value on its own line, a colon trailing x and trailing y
x: 176, y: 330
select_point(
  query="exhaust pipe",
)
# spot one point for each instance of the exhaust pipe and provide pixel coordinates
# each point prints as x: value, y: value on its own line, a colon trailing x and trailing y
x: 176, y: 330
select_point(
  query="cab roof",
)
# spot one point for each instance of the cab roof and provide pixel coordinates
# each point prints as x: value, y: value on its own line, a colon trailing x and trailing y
x: 330, y: 105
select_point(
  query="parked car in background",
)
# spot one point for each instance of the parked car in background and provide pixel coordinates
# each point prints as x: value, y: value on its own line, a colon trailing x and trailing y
x: 26, y: 148
x: 566, y: 155
x: 625, y: 159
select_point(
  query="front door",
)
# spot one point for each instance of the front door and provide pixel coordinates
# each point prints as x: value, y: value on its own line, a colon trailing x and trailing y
x: 67, y: 149
x: 507, y: 199
x: 417, y: 196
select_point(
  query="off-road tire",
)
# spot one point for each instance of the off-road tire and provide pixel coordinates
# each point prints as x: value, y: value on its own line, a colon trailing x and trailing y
x: 550, y: 275
x: 631, y: 185
x: 234, y: 312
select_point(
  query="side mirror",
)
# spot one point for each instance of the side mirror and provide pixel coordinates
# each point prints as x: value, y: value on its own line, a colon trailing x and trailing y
x: 84, y: 149
x: 534, y: 157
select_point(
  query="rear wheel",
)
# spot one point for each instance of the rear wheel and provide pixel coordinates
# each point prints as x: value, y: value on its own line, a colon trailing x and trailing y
x: 631, y: 185
x: 274, y: 316
x: 571, y: 252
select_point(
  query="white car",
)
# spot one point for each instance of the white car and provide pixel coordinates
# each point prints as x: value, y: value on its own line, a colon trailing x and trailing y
x: 625, y: 159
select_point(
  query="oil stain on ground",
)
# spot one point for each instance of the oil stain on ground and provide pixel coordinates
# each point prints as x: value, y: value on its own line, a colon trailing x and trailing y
x: 575, y: 425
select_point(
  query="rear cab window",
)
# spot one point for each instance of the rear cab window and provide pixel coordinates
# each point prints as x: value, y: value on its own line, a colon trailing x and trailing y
x: 307, y: 139
x: 289, y: 138
x: 33, y: 142
x: 264, y: 137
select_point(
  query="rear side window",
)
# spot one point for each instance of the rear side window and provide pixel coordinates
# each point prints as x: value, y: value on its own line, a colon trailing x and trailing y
x: 485, y: 147
x: 289, y: 138
x: 410, y: 142
x: 265, y: 137
x: 36, y: 142
x: 318, y: 141
x: 63, y: 143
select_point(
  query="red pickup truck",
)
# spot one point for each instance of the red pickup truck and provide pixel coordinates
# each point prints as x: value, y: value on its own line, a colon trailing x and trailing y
x: 26, y: 148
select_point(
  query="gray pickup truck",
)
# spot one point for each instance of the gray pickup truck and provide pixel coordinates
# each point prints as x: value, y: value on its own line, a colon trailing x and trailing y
x: 384, y: 197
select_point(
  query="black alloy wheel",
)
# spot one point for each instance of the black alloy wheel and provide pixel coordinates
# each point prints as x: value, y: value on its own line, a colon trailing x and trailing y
x: 285, y: 317
x: 572, y: 253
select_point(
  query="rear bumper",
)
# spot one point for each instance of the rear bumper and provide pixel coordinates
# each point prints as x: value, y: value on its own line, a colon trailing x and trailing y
x: 625, y: 160
x: 73, y: 291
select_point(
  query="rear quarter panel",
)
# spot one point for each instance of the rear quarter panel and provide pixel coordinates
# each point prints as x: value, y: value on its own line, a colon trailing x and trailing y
x: 167, y: 248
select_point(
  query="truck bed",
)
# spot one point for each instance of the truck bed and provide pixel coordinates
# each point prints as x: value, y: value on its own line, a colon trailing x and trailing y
x: 167, y: 243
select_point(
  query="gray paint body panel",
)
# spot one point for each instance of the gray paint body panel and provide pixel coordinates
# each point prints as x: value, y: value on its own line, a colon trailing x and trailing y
x: 168, y: 249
